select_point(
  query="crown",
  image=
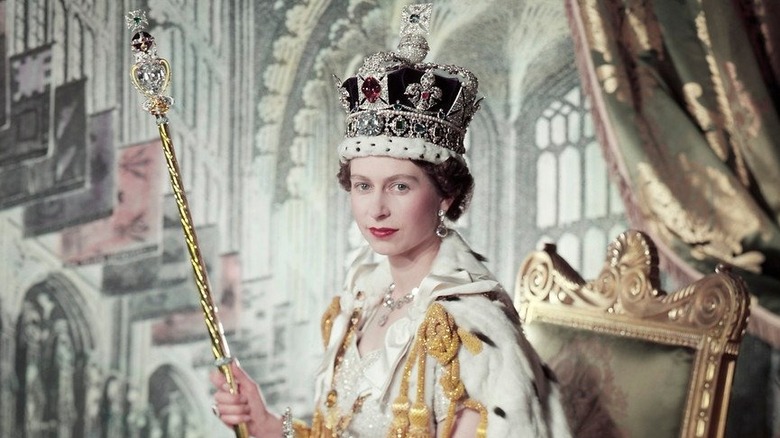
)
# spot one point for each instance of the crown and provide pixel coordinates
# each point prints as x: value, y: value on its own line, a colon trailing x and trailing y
x: 399, y: 106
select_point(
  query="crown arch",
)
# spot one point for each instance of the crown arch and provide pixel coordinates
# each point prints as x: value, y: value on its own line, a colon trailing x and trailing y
x: 53, y: 342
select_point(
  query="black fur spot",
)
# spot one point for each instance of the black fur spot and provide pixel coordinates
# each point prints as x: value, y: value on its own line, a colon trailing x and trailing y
x: 500, y: 412
x: 451, y: 298
x: 483, y: 337
x: 548, y: 372
x: 479, y: 256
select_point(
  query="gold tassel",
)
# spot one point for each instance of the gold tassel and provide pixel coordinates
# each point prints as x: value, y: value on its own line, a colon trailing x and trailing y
x: 483, y: 416
x: 420, y: 419
x: 439, y: 337
x: 400, y: 425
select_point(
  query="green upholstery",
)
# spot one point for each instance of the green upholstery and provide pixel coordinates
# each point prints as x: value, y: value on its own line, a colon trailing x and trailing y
x: 632, y: 359
x: 616, y: 386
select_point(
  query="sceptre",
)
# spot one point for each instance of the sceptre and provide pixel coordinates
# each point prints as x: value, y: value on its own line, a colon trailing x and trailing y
x: 151, y: 76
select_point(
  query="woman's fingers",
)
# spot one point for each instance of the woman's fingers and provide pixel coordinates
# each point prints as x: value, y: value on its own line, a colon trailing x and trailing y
x: 234, y: 407
x: 217, y: 378
x: 244, y: 405
x: 230, y: 408
x: 232, y: 414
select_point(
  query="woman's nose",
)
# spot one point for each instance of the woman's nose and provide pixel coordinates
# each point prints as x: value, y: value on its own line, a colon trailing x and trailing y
x: 379, y: 208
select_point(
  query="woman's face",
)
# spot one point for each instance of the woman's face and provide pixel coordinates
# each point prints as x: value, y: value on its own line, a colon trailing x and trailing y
x: 395, y: 204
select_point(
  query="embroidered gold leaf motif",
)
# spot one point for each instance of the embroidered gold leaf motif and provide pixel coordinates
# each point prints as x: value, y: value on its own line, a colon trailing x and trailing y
x: 644, y: 26
x: 704, y: 210
x: 693, y: 93
x: 596, y: 35
x: 726, y: 101
x: 610, y: 76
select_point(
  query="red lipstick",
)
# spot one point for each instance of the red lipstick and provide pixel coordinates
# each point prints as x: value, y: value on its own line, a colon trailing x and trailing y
x: 382, y: 233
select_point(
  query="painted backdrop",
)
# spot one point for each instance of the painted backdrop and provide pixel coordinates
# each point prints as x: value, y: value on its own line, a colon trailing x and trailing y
x: 100, y: 332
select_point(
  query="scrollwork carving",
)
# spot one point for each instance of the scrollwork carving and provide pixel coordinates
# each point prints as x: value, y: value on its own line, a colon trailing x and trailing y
x: 709, y: 316
x: 629, y: 285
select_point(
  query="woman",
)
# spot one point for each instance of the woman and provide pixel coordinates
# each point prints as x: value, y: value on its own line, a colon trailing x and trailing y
x: 423, y: 340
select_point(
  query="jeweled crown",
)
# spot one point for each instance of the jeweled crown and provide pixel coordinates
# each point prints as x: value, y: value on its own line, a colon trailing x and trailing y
x: 426, y: 107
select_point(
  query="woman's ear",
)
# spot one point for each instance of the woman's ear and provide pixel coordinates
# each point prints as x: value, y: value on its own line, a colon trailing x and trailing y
x: 445, y: 204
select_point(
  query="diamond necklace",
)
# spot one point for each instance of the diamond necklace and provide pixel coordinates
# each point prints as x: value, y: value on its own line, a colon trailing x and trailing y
x: 392, y: 304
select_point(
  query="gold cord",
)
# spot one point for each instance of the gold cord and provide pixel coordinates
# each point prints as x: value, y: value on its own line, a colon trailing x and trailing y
x: 439, y: 337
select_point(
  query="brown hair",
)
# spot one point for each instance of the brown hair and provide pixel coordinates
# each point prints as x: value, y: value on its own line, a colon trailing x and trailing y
x: 451, y: 179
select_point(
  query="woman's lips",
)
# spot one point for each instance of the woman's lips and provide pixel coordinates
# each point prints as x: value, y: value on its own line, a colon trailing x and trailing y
x: 382, y: 232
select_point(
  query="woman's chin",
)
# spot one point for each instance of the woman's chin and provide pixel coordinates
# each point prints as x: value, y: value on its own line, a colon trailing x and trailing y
x: 380, y: 247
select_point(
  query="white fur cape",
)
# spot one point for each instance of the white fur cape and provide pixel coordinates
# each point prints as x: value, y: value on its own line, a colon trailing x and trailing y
x: 506, y: 376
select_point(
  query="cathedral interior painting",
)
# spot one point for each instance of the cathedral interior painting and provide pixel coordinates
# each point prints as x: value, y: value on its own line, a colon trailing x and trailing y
x: 596, y: 117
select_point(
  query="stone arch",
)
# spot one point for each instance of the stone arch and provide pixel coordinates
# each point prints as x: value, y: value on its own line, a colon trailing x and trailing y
x: 172, y: 410
x: 52, y: 345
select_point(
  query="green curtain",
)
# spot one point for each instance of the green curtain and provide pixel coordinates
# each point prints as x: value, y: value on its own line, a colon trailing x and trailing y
x: 685, y: 99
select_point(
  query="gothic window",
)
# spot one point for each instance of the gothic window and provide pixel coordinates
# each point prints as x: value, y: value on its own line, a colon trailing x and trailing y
x: 37, y: 23
x: 170, y: 412
x: 576, y: 205
x: 595, y: 238
x: 20, y: 20
x: 570, y: 186
x: 546, y: 190
x: 49, y: 363
x: 597, y: 182
x: 75, y: 49
x: 569, y: 247
x: 30, y: 25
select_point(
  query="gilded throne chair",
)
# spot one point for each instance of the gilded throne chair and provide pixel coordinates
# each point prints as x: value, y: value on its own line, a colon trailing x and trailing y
x: 631, y: 359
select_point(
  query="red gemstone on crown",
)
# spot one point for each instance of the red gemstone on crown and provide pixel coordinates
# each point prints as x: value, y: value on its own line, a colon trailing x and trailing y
x: 425, y: 95
x: 371, y: 89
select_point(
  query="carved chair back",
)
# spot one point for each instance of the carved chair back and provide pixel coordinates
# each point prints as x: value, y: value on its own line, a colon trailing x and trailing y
x: 631, y: 359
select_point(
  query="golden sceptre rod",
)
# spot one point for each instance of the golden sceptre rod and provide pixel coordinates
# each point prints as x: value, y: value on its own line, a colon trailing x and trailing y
x: 151, y: 75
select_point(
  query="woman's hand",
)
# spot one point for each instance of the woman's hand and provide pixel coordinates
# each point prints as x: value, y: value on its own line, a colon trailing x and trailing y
x: 246, y: 406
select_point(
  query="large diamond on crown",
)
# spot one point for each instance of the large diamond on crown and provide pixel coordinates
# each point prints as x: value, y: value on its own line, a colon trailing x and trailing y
x: 369, y: 124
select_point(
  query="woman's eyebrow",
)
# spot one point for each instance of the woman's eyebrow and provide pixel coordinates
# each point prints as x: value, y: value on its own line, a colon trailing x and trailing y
x: 389, y: 178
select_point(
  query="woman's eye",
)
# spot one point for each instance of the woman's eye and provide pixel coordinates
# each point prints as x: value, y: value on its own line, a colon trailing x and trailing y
x: 361, y: 187
x: 401, y: 187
